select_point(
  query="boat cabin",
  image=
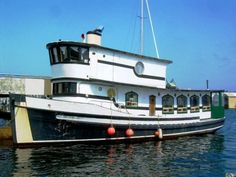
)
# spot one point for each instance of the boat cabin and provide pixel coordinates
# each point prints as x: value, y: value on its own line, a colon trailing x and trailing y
x: 87, y: 71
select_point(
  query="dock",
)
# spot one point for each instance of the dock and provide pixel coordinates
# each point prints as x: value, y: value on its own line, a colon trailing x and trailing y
x: 4, y: 106
x: 5, y: 133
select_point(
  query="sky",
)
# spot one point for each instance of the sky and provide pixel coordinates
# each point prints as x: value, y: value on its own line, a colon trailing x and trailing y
x: 197, y: 35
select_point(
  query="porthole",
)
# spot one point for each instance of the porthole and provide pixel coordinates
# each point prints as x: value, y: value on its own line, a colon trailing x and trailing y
x: 139, y: 68
x: 100, y: 89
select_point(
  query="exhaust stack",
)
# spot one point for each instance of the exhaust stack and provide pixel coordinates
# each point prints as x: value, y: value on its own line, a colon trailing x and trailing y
x: 94, y: 37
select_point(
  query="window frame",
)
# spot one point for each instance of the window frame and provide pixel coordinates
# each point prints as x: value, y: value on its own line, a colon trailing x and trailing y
x: 206, y: 107
x: 128, y: 102
x: 169, y: 109
x: 180, y: 108
x: 193, y: 107
x: 64, y: 88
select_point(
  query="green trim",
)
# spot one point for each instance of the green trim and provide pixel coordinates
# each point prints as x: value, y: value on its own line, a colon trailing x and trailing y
x: 182, y: 112
x: 217, y: 111
x: 167, y: 112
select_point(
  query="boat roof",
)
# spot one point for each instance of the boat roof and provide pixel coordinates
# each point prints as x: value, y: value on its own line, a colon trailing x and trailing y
x: 230, y: 94
x: 52, y: 44
x: 196, y: 90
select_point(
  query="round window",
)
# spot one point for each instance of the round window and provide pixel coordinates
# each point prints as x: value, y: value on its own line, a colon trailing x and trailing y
x: 139, y: 68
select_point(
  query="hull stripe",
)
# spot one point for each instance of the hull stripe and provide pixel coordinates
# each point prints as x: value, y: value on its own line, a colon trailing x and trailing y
x: 193, y: 132
x: 126, y: 138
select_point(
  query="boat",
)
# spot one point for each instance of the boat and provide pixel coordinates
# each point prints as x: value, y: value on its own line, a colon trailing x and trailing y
x: 105, y: 95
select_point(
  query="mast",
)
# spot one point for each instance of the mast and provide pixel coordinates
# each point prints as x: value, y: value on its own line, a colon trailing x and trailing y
x: 141, y: 29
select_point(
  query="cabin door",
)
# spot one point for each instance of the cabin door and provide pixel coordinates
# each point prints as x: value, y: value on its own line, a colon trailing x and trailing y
x: 152, y: 105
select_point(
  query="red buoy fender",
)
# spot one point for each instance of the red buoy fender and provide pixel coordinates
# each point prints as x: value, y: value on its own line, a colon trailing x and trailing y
x: 129, y: 132
x: 158, y: 133
x: 111, y: 131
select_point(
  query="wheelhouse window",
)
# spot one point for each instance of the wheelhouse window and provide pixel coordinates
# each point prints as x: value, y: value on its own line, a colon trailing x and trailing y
x: 206, y: 103
x: 167, y: 104
x: 131, y: 99
x: 53, y: 55
x: 63, y: 53
x: 69, y: 54
x: 194, y: 103
x: 64, y: 88
x: 182, y: 104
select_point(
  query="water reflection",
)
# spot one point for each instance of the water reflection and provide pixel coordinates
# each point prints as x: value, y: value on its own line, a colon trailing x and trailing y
x: 22, y: 165
x: 187, y: 156
x: 229, y: 131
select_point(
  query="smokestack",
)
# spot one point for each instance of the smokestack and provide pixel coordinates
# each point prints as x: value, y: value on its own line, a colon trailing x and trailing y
x: 207, y: 84
x: 94, y: 37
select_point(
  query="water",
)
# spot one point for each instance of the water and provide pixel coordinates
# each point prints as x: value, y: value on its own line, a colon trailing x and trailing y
x: 208, y: 155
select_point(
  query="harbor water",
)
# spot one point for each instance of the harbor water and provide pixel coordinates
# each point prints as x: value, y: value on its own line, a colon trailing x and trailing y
x: 207, y: 155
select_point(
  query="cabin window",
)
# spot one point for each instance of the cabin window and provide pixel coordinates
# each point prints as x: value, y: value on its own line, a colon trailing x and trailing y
x: 222, y: 100
x: 194, y: 103
x: 206, y: 103
x: 63, y: 54
x: 131, y: 99
x: 78, y: 54
x: 69, y: 54
x: 64, y: 88
x: 182, y: 104
x: 53, y: 55
x: 215, y: 99
x: 167, y: 104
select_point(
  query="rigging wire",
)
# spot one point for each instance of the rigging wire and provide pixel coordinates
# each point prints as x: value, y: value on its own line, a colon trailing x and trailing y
x: 133, y: 42
x: 129, y: 41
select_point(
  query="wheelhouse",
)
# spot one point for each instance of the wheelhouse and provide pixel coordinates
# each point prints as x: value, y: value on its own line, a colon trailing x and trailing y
x: 68, y: 53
